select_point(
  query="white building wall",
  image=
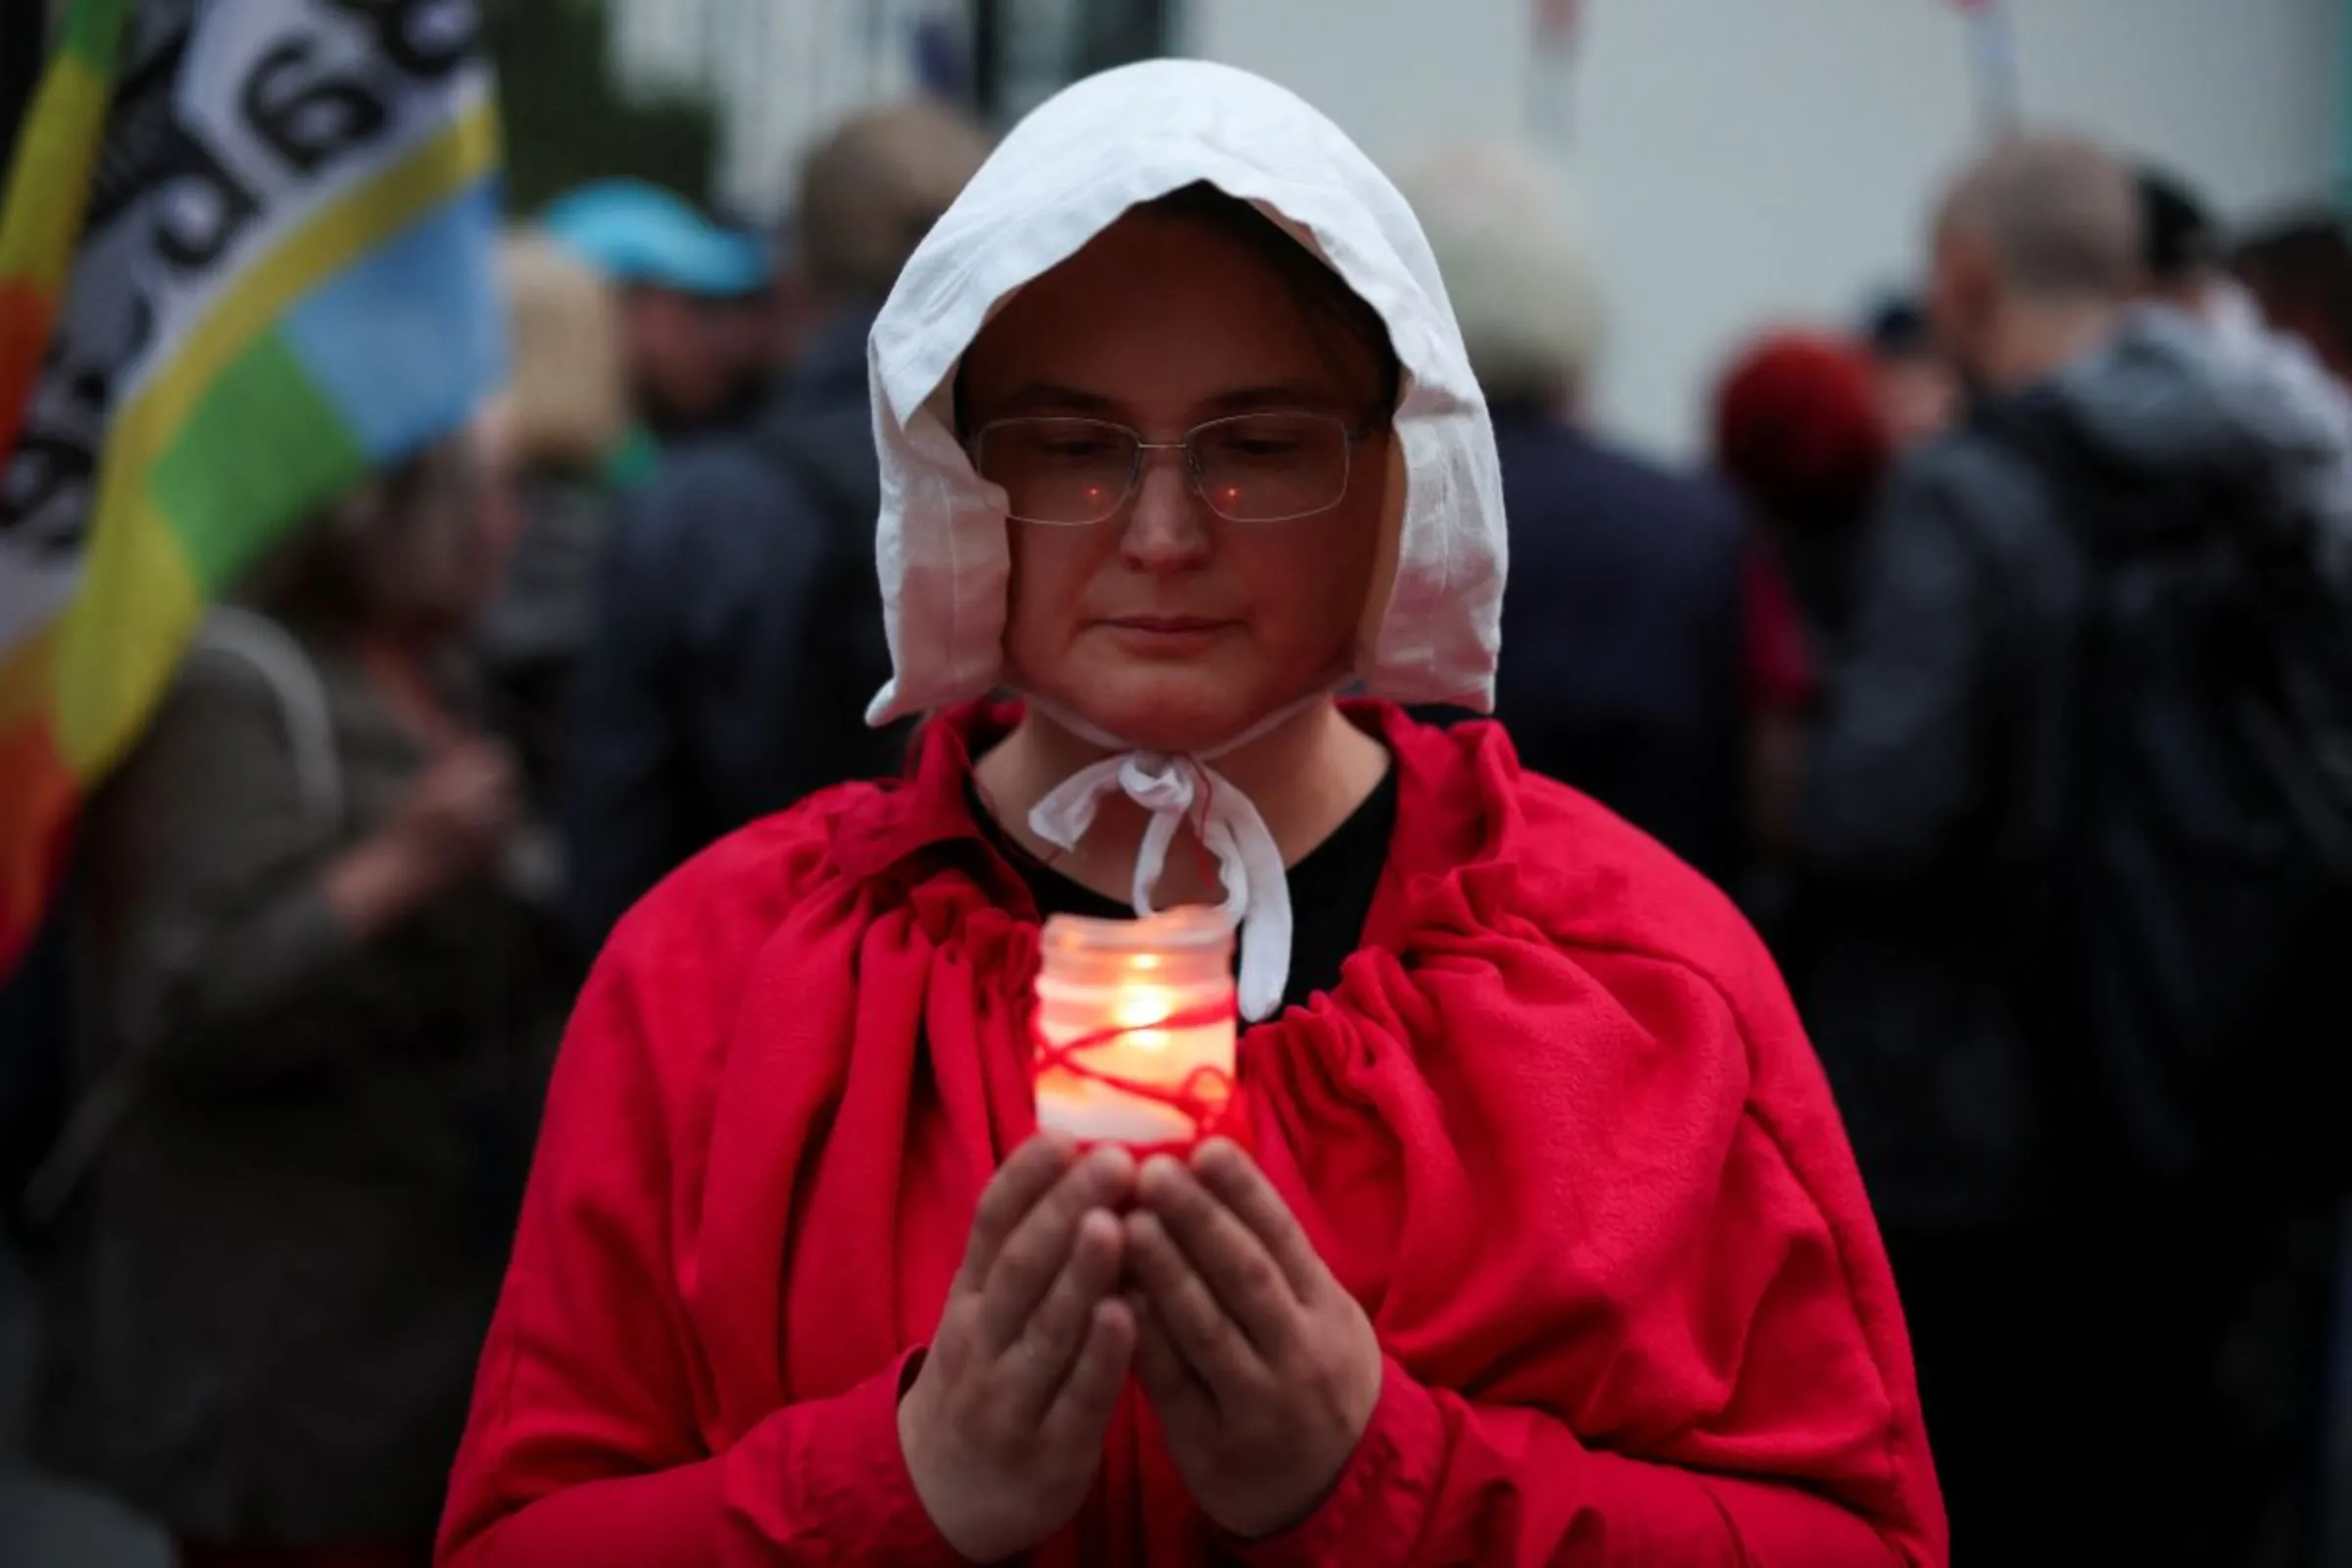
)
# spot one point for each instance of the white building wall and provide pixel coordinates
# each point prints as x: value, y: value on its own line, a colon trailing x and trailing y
x: 780, y: 73
x: 1737, y: 162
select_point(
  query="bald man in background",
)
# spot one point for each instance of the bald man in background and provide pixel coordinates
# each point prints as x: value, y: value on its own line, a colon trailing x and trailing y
x: 2098, y: 1380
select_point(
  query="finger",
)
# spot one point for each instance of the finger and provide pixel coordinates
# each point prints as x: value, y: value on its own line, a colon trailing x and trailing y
x: 474, y: 758
x: 1227, y: 1255
x: 503, y: 801
x: 1032, y: 1254
x: 1212, y: 1345
x: 483, y: 793
x: 1233, y: 1179
x: 498, y: 778
x: 1052, y: 1336
x: 1181, y: 1399
x: 1011, y: 1194
x: 1082, y: 1410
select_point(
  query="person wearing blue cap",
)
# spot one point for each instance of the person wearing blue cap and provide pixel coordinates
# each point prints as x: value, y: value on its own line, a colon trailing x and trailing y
x: 739, y: 623
x: 683, y: 281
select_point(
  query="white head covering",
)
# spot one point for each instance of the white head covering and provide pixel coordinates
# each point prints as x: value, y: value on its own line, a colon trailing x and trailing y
x: 1064, y: 175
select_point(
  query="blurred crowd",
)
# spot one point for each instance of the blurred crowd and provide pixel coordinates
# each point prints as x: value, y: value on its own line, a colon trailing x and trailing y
x: 1924, y: 664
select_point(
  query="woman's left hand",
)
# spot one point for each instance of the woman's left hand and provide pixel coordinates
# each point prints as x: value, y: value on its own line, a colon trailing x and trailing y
x: 1263, y: 1369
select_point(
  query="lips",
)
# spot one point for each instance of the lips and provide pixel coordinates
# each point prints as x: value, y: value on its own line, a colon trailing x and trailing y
x: 1170, y: 626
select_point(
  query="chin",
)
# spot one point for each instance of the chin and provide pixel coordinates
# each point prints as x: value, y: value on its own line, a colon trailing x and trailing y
x: 1165, y: 707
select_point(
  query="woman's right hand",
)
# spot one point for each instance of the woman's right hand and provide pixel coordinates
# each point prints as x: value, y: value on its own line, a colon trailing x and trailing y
x: 1003, y: 1427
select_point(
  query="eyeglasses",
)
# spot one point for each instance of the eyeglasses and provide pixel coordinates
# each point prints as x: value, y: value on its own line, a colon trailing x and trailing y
x: 1253, y: 468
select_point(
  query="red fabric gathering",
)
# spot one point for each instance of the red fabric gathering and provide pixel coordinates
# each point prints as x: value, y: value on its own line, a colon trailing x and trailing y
x: 1556, y: 1128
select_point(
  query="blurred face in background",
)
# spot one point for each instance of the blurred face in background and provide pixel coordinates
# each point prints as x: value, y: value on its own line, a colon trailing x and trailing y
x: 566, y: 403
x: 1963, y: 300
x: 684, y: 355
x: 1917, y: 393
x: 760, y: 338
x: 1165, y: 624
x: 425, y: 548
x: 504, y: 470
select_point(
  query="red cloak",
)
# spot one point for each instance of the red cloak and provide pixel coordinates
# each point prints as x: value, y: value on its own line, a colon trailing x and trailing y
x: 1558, y: 1128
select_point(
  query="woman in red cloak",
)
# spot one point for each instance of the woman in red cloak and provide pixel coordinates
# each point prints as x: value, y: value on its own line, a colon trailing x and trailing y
x: 1547, y: 1246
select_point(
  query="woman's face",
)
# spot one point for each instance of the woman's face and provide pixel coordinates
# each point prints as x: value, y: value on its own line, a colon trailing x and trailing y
x: 433, y: 556
x: 1167, y: 624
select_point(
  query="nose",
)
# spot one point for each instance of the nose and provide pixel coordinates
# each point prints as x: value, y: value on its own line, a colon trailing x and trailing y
x: 1167, y: 526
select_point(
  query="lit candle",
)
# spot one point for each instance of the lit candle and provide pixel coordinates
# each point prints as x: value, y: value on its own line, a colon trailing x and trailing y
x: 1135, y: 1028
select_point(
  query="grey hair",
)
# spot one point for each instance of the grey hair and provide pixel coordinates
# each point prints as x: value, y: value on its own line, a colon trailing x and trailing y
x: 1522, y: 285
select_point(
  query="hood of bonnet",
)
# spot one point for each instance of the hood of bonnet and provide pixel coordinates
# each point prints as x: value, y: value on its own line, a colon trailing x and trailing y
x: 1064, y: 175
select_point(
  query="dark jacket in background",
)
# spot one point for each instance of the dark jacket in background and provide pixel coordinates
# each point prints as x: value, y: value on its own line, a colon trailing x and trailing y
x: 538, y: 626
x: 739, y: 640
x: 1935, y: 711
x: 2192, y: 1324
x: 267, y: 1296
x: 1620, y: 670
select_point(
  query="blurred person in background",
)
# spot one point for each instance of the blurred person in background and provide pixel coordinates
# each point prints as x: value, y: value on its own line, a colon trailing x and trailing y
x: 2280, y: 373
x: 2300, y: 273
x: 2189, y: 272
x: 764, y: 331
x: 1620, y: 664
x: 280, y: 1209
x: 1799, y: 436
x: 2070, y: 981
x: 559, y: 447
x: 685, y: 285
x: 739, y: 621
x: 2183, y: 250
x: 1919, y: 394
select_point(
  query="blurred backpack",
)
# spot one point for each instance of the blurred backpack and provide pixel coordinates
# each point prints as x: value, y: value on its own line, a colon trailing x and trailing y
x: 2185, y: 839
x: 50, y: 1137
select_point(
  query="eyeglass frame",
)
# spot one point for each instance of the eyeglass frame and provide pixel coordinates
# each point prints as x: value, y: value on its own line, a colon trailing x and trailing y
x: 1352, y: 438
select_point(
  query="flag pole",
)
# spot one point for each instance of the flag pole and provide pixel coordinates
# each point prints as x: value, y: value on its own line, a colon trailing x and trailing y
x: 1552, y: 73
x: 1993, y: 56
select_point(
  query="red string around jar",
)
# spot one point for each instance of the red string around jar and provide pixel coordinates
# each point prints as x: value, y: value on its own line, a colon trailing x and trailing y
x: 1203, y: 1096
x: 1135, y: 1029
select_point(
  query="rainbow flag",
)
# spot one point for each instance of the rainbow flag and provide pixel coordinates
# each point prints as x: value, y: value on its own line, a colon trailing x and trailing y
x: 245, y: 259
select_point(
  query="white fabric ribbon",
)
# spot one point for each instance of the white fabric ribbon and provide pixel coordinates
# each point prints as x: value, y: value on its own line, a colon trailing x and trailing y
x: 1174, y: 790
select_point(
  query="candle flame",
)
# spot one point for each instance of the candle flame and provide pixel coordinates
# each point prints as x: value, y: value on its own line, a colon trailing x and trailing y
x: 1140, y: 1007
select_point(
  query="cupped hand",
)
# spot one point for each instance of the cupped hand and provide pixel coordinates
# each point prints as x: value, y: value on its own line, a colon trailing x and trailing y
x: 459, y: 812
x: 1264, y: 1371
x: 1003, y: 1426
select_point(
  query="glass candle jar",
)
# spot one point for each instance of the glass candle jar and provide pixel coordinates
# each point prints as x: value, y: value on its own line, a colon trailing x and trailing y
x: 1135, y: 1027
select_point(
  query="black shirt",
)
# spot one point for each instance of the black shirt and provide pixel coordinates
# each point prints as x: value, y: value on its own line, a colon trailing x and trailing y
x: 1331, y: 890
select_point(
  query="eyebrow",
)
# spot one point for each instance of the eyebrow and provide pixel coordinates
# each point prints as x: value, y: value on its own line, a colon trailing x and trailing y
x: 1273, y: 395
x: 1039, y: 395
x: 1051, y: 394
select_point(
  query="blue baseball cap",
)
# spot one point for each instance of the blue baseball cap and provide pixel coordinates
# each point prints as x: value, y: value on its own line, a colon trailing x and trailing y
x: 633, y: 232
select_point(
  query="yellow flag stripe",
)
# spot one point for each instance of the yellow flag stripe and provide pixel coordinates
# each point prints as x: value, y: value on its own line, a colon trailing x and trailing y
x: 138, y: 600
x: 43, y: 216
